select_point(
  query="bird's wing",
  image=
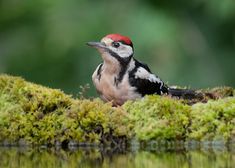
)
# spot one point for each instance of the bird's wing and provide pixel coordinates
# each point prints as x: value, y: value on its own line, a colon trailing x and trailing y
x: 145, y: 81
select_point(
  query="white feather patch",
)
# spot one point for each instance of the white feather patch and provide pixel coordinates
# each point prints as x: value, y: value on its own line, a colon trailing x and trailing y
x: 124, y: 51
x: 144, y: 74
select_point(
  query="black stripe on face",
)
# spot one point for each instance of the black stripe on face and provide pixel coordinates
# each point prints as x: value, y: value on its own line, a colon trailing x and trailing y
x: 121, y: 60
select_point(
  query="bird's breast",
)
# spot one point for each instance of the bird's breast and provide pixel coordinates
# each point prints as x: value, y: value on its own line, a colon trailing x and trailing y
x: 118, y: 93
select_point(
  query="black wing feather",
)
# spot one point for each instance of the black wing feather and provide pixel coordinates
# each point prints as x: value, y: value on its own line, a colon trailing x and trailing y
x: 144, y: 86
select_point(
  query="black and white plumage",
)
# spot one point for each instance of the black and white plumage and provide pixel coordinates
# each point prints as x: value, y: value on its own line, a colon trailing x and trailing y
x: 121, y: 77
x: 144, y: 81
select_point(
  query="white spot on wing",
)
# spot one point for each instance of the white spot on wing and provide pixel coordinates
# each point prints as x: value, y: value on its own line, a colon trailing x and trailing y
x: 131, y: 65
x: 144, y: 74
x: 153, y: 78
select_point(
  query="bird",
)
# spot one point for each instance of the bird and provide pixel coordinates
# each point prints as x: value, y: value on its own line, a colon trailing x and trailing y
x: 121, y: 77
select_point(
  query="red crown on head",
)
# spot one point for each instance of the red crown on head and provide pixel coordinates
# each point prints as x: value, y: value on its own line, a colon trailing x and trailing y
x: 121, y: 38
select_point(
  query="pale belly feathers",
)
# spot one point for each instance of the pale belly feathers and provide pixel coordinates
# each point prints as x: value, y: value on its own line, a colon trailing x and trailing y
x: 116, y: 93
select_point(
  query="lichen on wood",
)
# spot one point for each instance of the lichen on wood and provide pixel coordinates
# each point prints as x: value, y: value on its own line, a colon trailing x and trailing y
x: 37, y: 115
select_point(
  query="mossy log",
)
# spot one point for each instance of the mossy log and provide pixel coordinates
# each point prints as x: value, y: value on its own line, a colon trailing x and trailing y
x: 31, y: 114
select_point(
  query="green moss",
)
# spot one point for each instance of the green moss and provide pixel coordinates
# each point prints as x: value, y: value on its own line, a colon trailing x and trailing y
x: 41, y: 115
x: 33, y: 97
x: 97, y: 119
x: 34, y: 114
x: 213, y: 120
x: 205, y: 95
x: 157, y: 117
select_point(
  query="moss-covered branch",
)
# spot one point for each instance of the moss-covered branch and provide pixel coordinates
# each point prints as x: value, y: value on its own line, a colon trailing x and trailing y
x: 32, y: 114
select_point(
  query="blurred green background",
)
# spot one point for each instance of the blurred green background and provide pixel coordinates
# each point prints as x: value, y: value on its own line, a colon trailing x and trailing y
x: 186, y: 43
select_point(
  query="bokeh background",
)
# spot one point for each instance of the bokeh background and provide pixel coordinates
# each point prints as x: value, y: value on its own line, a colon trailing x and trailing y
x: 186, y: 43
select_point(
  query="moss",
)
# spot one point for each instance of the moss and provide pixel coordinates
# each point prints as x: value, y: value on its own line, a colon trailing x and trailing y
x: 222, y: 92
x: 97, y: 119
x: 33, y: 97
x: 156, y: 117
x: 213, y: 120
x: 205, y: 95
x: 40, y: 115
x: 34, y: 114
x: 217, y: 93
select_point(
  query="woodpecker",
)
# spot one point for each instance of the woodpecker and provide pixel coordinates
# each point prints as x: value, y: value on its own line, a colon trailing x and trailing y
x: 121, y: 77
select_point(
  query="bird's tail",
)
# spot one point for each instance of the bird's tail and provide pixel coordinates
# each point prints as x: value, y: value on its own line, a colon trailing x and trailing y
x: 184, y: 93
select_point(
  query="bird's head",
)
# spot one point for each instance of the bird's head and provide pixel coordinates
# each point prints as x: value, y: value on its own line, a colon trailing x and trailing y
x: 114, y: 47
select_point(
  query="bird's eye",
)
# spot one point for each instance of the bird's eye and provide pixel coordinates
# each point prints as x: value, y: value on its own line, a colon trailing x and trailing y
x: 115, y: 44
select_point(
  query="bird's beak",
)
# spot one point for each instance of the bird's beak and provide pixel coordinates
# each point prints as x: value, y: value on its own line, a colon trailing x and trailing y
x: 96, y: 44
